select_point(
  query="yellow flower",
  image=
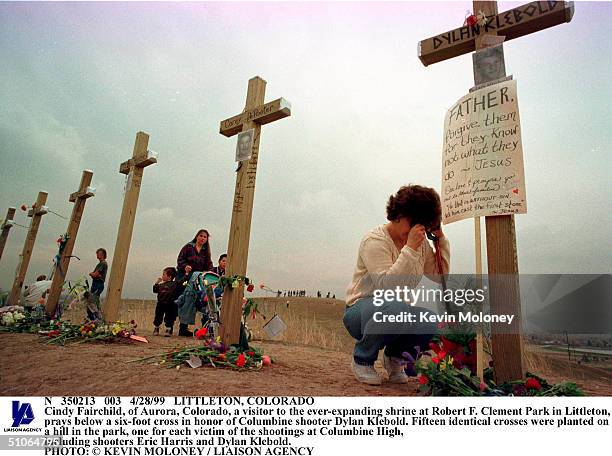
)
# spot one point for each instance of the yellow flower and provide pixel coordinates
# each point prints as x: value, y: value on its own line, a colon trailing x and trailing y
x: 446, y: 363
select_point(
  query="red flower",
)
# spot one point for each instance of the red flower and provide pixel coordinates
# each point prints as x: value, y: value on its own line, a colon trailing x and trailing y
x: 54, y: 333
x: 250, y: 288
x: 441, y: 325
x: 24, y: 207
x: 532, y: 383
x: 201, y: 333
x: 423, y: 380
x: 482, y: 386
x: 241, y: 361
x: 440, y: 357
x: 265, y: 360
x: 250, y: 353
x: 471, y: 20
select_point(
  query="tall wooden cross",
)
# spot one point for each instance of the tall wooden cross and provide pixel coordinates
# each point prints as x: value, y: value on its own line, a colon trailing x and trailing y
x: 255, y: 114
x: 500, y: 232
x: 61, y: 268
x: 133, y: 168
x: 6, y: 227
x: 37, y: 211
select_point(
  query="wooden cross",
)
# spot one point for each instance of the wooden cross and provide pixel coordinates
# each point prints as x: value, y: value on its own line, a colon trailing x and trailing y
x: 133, y: 168
x: 78, y: 198
x: 37, y: 211
x: 255, y: 114
x: 6, y: 227
x: 500, y: 232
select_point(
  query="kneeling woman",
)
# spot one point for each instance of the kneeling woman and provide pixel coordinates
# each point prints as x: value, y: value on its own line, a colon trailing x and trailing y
x: 392, y: 255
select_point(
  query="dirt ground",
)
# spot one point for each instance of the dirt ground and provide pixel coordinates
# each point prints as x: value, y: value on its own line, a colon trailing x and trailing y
x: 31, y: 368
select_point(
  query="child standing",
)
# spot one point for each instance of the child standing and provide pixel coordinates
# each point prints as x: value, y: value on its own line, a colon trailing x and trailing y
x: 166, y: 309
x: 98, y: 277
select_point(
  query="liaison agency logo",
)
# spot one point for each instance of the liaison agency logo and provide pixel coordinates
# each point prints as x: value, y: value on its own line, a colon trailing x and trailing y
x: 22, y: 415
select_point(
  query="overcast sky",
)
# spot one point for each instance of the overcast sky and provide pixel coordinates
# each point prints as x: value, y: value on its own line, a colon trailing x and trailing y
x: 79, y: 80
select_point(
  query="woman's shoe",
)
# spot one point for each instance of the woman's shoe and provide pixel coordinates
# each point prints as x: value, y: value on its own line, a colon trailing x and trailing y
x: 365, y: 374
x: 156, y: 331
x: 395, y: 369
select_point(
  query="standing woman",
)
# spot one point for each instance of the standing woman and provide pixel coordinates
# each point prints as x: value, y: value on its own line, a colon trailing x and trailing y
x: 193, y: 257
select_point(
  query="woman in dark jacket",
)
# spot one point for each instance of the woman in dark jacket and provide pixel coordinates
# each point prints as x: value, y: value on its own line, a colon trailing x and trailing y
x: 193, y: 257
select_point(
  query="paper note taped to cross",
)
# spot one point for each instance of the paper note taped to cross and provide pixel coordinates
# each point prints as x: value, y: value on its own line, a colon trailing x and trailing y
x: 482, y: 159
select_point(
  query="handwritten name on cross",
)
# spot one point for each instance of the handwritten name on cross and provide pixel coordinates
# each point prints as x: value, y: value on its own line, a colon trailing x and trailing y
x: 255, y: 114
x: 134, y: 169
x: 61, y: 268
x: 523, y: 20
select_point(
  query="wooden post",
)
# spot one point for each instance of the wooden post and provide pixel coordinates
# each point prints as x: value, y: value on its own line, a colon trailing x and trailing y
x: 501, y: 240
x: 6, y: 227
x: 254, y: 115
x: 36, y: 213
x: 61, y: 271
x: 134, y: 169
x: 507, y: 344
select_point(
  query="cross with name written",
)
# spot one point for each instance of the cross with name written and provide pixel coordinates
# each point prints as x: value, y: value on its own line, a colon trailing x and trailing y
x: 500, y: 230
x: 255, y: 114
x: 134, y: 169
x: 61, y: 268
x: 36, y: 212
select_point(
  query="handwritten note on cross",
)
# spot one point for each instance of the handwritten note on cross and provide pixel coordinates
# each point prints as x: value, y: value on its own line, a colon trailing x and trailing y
x: 61, y: 268
x: 36, y: 212
x: 255, y: 114
x: 134, y: 169
x: 500, y: 231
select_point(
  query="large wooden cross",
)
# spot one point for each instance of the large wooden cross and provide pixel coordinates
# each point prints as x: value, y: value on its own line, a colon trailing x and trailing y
x: 133, y: 168
x: 36, y: 212
x: 500, y: 232
x: 255, y: 114
x: 6, y: 227
x: 61, y: 268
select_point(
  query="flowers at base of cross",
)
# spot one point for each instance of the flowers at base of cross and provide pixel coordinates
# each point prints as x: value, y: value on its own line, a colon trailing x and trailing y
x: 423, y: 380
x: 241, y: 360
x: 201, y: 333
x: 266, y: 361
x: 250, y: 288
x: 532, y: 383
x: 12, y: 318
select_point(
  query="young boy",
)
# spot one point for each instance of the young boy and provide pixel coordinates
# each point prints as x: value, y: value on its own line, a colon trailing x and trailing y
x: 98, y: 277
x: 166, y: 308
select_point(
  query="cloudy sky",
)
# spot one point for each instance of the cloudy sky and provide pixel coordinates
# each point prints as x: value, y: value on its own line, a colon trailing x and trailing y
x: 79, y: 80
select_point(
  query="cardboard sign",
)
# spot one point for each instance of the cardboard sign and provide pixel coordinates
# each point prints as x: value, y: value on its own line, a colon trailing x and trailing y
x: 482, y: 158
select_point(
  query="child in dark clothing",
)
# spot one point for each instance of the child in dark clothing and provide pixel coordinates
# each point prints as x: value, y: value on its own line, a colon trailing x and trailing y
x: 166, y: 308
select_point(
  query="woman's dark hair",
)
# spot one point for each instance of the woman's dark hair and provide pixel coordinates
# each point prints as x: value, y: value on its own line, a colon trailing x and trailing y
x: 103, y: 252
x: 195, y: 238
x: 206, y: 245
x: 421, y: 205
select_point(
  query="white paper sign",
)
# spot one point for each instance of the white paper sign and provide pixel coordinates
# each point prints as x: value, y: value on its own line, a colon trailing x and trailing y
x: 482, y: 159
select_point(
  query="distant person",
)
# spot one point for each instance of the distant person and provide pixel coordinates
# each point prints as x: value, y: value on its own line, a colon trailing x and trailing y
x: 36, y: 291
x: 318, y: 293
x: 390, y: 254
x: 334, y: 296
x: 327, y: 296
x: 220, y: 268
x: 166, y: 309
x: 98, y: 276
